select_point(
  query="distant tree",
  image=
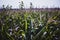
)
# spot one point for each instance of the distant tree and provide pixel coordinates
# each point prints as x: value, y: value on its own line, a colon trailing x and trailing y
x: 7, y: 7
x: 21, y: 6
x: 11, y: 7
x: 3, y: 6
x: 31, y: 5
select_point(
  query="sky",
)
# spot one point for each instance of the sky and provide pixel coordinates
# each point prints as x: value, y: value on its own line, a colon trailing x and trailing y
x: 36, y: 3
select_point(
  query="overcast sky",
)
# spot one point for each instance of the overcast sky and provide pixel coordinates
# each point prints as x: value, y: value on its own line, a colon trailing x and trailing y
x: 36, y: 3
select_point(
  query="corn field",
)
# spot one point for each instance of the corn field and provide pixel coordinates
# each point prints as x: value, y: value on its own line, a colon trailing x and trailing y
x: 32, y: 25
